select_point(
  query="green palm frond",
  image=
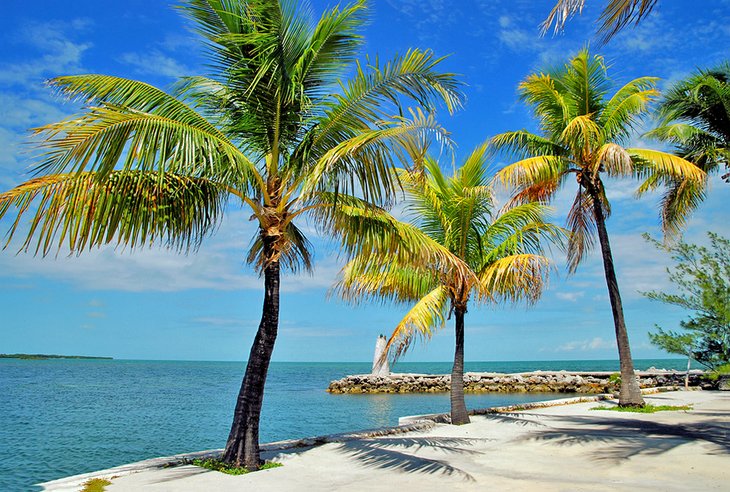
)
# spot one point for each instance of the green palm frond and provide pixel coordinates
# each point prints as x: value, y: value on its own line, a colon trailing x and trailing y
x: 547, y: 97
x: 131, y: 94
x: 619, y: 117
x: 375, y: 94
x: 365, y: 161
x: 518, y: 230
x: 695, y: 118
x: 133, y: 208
x: 369, y: 231
x: 523, y: 144
x: 108, y: 136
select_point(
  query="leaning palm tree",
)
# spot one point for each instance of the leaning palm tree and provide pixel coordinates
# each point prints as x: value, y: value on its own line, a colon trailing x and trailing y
x: 500, y: 254
x: 582, y: 133
x: 694, y: 116
x: 271, y: 128
x: 615, y: 16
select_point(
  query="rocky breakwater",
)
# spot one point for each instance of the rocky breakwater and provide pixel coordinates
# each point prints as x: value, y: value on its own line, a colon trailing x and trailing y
x: 534, y: 382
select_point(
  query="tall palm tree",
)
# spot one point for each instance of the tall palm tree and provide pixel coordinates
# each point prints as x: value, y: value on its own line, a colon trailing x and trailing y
x: 271, y: 129
x: 615, y: 16
x: 695, y: 117
x: 582, y: 133
x: 500, y: 254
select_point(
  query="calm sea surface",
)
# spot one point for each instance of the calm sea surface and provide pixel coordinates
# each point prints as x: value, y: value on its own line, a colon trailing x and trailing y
x: 64, y: 417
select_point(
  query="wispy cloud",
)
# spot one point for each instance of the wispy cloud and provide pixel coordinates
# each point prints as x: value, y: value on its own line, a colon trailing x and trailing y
x: 59, y: 54
x: 596, y: 343
x: 570, y: 296
x: 155, y: 63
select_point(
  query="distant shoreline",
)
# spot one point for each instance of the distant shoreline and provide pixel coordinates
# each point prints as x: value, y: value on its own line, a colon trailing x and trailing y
x: 49, y: 356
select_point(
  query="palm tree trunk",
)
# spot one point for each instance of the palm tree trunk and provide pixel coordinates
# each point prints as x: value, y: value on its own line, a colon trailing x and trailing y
x: 242, y: 448
x: 629, y: 392
x: 459, y: 415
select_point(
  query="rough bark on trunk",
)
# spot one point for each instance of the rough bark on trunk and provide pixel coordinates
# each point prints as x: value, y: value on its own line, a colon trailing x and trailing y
x: 242, y: 448
x: 459, y: 415
x: 629, y: 392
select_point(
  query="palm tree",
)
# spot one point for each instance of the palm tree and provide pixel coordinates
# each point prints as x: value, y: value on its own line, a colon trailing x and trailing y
x: 496, y: 257
x: 271, y: 128
x: 615, y: 16
x: 695, y: 117
x: 582, y: 133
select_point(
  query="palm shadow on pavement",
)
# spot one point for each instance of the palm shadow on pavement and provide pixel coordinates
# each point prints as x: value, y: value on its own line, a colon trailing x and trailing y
x: 624, y: 438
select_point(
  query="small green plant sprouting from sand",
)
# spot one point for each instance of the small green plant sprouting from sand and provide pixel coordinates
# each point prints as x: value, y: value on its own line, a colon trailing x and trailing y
x: 645, y: 409
x: 220, y: 466
x: 95, y: 485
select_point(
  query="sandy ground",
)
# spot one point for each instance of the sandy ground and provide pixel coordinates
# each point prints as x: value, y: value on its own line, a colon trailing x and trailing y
x: 570, y: 448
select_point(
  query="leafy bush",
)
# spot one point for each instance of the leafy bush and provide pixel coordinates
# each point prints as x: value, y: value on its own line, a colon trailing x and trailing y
x: 218, y: 465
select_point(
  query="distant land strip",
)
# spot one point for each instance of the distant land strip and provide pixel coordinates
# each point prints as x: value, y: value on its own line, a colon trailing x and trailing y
x: 48, y: 356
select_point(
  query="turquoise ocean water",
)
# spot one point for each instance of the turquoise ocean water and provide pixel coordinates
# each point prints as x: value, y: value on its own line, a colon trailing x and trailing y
x: 64, y: 417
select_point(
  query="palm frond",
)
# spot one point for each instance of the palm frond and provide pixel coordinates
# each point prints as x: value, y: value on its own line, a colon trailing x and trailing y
x: 427, y: 315
x: 132, y: 208
x: 514, y: 278
x: 366, y: 279
x: 523, y: 144
x: 550, y: 105
x: 619, y: 117
x: 581, y: 223
x: 533, y: 169
x: 365, y: 161
x: 614, y: 160
x: 615, y: 16
x: 108, y: 136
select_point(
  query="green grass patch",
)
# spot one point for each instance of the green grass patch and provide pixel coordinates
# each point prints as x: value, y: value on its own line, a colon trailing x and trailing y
x: 645, y: 409
x: 95, y: 485
x: 218, y: 465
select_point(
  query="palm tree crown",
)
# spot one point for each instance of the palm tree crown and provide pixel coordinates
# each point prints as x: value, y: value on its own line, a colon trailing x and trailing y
x: 271, y: 127
x: 695, y: 117
x: 582, y: 133
x: 499, y: 254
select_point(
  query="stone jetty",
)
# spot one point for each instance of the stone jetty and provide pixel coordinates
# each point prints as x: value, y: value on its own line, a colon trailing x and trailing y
x: 533, y: 382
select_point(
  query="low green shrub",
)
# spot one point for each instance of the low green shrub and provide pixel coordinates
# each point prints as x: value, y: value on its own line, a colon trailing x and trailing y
x: 645, y: 409
x: 218, y: 465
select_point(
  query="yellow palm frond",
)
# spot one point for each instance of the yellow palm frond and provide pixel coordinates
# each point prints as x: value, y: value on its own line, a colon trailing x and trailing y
x: 582, y: 131
x: 653, y: 164
x: 132, y: 208
x: 531, y: 170
x: 520, y: 277
x: 424, y: 317
x: 364, y: 278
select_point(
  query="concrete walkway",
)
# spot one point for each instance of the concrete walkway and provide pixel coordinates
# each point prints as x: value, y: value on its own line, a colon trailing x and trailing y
x: 570, y: 448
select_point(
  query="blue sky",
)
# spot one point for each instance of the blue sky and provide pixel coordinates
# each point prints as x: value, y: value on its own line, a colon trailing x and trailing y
x: 155, y: 304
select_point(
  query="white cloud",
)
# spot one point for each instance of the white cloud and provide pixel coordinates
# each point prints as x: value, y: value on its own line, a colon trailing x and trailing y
x: 155, y: 63
x: 596, y: 343
x: 570, y: 296
x: 60, y: 54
